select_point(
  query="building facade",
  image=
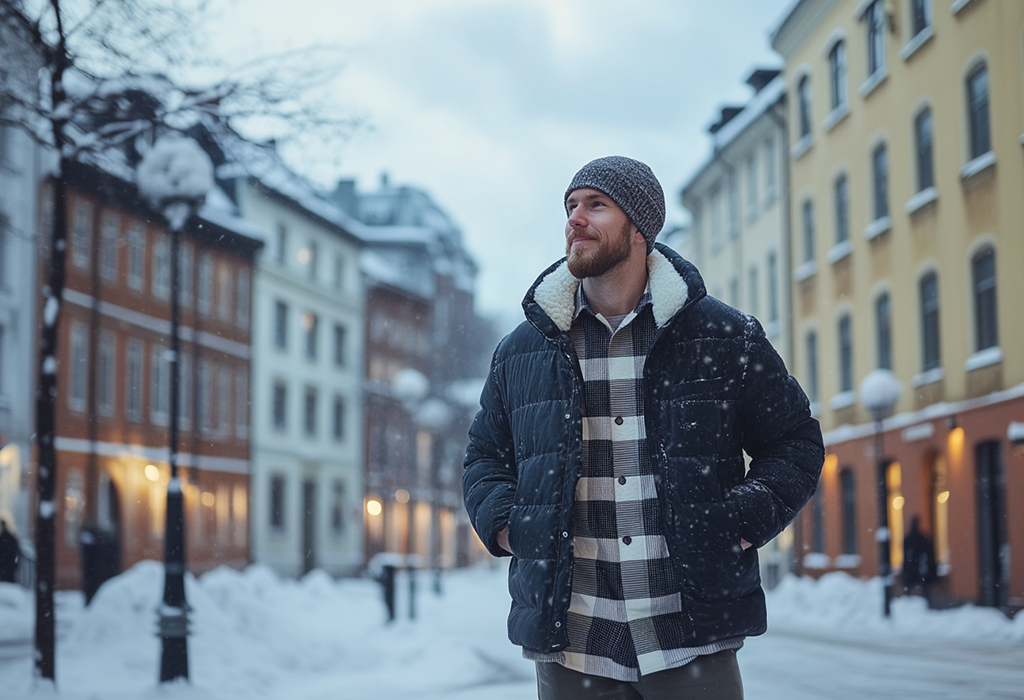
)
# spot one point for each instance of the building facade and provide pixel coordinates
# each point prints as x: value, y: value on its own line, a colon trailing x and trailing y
x: 113, y: 379
x: 905, y: 124
x: 307, y: 380
x: 738, y: 236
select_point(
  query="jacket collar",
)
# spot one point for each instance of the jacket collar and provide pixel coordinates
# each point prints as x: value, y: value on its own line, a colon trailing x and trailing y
x: 674, y: 282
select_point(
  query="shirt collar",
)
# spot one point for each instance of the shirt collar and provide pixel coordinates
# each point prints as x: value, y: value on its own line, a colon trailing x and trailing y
x: 582, y: 305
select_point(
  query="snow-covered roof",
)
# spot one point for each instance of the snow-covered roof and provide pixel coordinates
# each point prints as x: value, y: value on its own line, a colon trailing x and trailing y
x: 758, y: 105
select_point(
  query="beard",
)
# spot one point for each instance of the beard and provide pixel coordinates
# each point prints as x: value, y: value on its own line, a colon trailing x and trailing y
x: 599, y: 259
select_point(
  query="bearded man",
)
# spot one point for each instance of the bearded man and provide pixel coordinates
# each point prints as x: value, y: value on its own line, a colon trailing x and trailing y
x: 607, y: 459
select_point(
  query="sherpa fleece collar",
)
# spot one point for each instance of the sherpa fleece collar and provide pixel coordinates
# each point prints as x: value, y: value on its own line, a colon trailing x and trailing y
x: 556, y: 292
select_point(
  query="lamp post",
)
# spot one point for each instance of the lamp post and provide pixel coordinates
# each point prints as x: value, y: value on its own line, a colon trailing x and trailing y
x: 174, y: 176
x: 879, y: 391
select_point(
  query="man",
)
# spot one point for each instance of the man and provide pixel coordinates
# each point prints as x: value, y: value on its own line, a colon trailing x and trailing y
x: 919, y: 567
x: 607, y: 459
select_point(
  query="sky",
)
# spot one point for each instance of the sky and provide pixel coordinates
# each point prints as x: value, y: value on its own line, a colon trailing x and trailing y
x: 492, y: 105
x: 256, y: 636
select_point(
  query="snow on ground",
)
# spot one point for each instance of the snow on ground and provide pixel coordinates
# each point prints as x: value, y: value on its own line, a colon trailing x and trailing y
x: 256, y: 635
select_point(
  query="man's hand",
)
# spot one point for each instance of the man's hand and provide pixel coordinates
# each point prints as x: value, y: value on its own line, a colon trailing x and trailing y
x: 503, y: 540
x: 743, y: 543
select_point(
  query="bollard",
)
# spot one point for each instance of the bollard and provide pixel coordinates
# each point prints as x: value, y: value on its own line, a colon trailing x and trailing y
x: 387, y: 580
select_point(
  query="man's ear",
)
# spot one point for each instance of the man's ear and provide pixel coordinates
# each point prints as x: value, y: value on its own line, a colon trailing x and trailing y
x: 637, y: 237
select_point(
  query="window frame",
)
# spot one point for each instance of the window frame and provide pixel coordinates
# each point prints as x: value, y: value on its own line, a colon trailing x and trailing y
x: 880, y: 181
x: 883, y: 331
x: 844, y: 345
x: 839, y: 94
x: 924, y: 149
x: 984, y: 294
x: 930, y: 307
x: 979, y: 118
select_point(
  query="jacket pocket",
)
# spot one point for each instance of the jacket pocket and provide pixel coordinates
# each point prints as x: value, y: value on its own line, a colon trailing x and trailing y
x: 691, y: 427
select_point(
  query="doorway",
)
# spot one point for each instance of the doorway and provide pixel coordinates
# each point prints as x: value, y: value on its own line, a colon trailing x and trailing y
x: 308, y: 526
x: 993, y: 547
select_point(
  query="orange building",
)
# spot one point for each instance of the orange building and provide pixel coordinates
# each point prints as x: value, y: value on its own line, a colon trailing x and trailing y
x: 114, y: 380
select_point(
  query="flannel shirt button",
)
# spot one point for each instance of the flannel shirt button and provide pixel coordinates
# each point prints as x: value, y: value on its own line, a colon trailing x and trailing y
x: 622, y: 480
x: 618, y: 420
x: 627, y: 540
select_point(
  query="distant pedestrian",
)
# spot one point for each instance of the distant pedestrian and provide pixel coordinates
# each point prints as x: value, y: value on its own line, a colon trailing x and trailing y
x: 919, y: 567
x: 10, y: 553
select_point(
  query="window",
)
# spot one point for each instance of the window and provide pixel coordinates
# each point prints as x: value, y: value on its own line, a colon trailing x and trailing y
x: 753, y: 291
x: 804, y: 105
x: 79, y: 370
x: 769, y: 169
x: 920, y: 16
x: 81, y: 234
x: 986, y: 323
x: 842, y: 194
x: 845, y: 354
x: 818, y: 519
x: 161, y: 268
x: 314, y: 261
x: 339, y: 272
x: 280, y: 325
x: 281, y: 247
x: 136, y: 257
x: 812, y: 367
x: 277, y: 502
x: 929, y: 293
x: 241, y: 404
x: 848, y: 494
x: 185, y: 275
x: 338, y: 508
x: 280, y: 405
x: 880, y: 172
x: 185, y: 382
x: 734, y: 208
x: 224, y: 289
x: 242, y: 307
x: 133, y: 381
x: 338, y: 422
x: 74, y: 507
x: 883, y: 331
x: 159, y: 386
x: 239, y: 515
x: 204, y: 375
x: 309, y: 411
x: 751, y: 187
x: 204, y: 292
x: 106, y: 365
x: 223, y: 400
x: 977, y: 112
x: 108, y: 246
x: 716, y: 219
x: 339, y: 345
x: 837, y: 72
x: 923, y: 144
x: 773, y: 287
x: 808, y: 210
x: 874, y: 18
x: 311, y: 324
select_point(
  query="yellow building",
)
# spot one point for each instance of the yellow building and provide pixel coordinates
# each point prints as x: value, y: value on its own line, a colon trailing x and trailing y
x: 907, y: 208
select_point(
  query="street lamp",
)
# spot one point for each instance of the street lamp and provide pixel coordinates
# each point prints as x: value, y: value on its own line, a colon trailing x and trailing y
x: 174, y: 176
x: 879, y: 392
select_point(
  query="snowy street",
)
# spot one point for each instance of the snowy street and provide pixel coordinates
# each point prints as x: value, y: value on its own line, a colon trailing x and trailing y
x: 258, y: 636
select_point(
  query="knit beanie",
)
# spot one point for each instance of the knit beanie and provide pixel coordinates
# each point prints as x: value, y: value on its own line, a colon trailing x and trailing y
x: 632, y: 185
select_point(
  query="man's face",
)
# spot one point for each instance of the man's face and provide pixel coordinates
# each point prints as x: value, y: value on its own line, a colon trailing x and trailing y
x: 598, y: 234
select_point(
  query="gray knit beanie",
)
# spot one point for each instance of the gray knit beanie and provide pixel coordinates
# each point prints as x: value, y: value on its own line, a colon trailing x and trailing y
x: 632, y: 185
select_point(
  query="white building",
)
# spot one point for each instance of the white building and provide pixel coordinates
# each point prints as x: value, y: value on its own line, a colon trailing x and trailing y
x: 738, y: 236
x: 307, y: 425
x: 21, y: 165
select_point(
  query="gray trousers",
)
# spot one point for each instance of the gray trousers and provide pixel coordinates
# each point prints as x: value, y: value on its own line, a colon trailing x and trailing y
x: 712, y: 677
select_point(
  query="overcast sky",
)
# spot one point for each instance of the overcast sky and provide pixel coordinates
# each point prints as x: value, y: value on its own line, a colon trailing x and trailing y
x: 492, y: 105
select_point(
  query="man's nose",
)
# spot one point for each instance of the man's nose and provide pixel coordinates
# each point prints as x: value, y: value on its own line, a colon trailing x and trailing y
x: 577, y: 218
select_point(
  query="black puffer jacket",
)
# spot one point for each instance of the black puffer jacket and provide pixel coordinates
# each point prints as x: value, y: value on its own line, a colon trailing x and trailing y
x: 714, y: 387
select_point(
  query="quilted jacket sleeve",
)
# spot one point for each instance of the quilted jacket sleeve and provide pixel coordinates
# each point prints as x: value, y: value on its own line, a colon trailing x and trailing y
x: 490, y: 477
x: 782, y: 438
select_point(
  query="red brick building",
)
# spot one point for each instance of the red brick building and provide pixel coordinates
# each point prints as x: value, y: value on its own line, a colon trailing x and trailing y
x: 114, y: 379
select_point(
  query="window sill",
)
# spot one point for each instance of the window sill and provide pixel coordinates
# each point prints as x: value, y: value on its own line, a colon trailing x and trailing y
x: 978, y: 165
x: 847, y: 561
x: 917, y: 42
x: 927, y: 377
x: 872, y: 83
x: 921, y: 199
x: 839, y: 251
x: 805, y: 271
x: 877, y: 227
x: 816, y: 560
x: 801, y: 147
x: 843, y: 400
x: 984, y: 358
x: 836, y: 115
x: 959, y: 6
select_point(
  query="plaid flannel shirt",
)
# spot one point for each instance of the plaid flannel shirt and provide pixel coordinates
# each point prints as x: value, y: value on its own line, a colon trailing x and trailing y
x: 624, y: 614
